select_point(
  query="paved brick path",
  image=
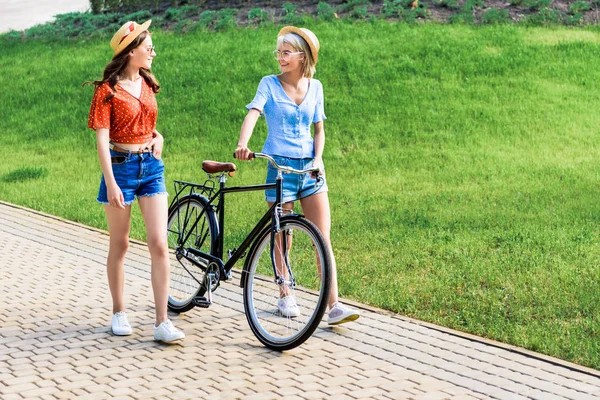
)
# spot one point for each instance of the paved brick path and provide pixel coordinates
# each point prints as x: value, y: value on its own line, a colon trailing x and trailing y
x: 55, y: 341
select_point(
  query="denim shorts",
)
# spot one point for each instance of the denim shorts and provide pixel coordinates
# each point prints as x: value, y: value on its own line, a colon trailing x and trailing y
x: 137, y: 175
x: 295, y: 187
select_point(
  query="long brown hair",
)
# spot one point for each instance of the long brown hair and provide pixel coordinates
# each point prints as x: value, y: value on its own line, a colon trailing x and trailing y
x: 114, y: 68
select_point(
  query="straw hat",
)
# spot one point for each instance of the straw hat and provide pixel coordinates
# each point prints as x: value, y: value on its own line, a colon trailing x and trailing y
x: 308, y: 36
x: 127, y: 34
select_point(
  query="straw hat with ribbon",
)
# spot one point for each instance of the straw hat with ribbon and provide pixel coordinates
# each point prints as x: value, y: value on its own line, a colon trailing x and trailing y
x: 308, y: 36
x: 127, y: 34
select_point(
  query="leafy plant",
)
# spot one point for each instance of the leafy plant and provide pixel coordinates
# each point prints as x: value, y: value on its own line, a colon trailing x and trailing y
x: 536, y: 5
x: 96, y: 6
x: 471, y: 5
x: 462, y: 18
x: 325, y: 12
x: 493, y: 16
x: 225, y: 18
x: 359, y: 12
x: 206, y: 18
x: 112, y: 5
x: 450, y: 4
x: 258, y: 16
x: 390, y: 8
x: 289, y: 14
x: 579, y: 7
x: 352, y: 4
x: 544, y: 17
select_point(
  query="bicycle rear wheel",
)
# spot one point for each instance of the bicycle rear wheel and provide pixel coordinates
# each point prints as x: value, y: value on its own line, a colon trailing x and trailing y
x: 307, y: 282
x: 190, y: 225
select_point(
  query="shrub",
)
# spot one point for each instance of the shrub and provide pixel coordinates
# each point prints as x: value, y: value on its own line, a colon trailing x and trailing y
x: 112, y: 5
x: 536, y: 5
x: 545, y: 16
x: 258, y: 16
x: 390, y: 8
x: 96, y: 6
x: 450, y: 4
x: 289, y: 14
x: 173, y: 14
x: 206, y: 18
x: 325, y: 12
x: 495, y: 16
x: 574, y: 19
x: 579, y: 7
x: 461, y: 18
x: 359, y: 12
x: 139, y: 16
x: 225, y: 19
x: 471, y: 5
x: 352, y: 4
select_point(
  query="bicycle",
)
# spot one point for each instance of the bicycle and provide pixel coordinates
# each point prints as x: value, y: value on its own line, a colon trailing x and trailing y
x: 285, y: 255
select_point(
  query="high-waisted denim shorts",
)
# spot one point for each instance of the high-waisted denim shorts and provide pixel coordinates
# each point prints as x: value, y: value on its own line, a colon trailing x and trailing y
x: 137, y: 175
x: 295, y: 187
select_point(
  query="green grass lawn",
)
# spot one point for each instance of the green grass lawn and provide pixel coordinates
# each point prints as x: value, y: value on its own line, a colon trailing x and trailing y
x: 463, y: 162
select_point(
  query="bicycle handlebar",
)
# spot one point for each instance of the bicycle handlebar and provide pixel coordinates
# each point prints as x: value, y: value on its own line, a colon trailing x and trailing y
x: 287, y: 170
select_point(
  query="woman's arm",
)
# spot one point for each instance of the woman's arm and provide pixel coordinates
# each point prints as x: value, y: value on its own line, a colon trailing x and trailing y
x: 319, y: 145
x: 156, y: 144
x: 242, y: 152
x: 115, y: 196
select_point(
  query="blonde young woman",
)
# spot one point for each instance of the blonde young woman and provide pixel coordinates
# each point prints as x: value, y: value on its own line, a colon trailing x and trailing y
x: 291, y: 102
x: 123, y: 114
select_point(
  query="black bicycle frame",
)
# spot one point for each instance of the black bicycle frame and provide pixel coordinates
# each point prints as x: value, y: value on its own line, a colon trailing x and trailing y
x: 270, y: 215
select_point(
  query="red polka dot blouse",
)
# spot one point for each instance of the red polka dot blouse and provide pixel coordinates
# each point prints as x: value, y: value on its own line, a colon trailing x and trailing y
x: 128, y: 119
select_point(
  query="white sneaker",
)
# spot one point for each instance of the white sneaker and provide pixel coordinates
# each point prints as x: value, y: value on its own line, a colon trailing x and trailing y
x: 287, y: 306
x: 166, y: 332
x: 120, y: 324
x: 339, y: 314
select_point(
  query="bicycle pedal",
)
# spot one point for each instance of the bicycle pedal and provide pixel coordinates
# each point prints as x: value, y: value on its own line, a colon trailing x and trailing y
x: 202, y: 302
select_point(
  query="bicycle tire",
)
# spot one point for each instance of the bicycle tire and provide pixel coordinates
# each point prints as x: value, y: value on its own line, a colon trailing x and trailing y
x: 186, y: 277
x: 311, y: 290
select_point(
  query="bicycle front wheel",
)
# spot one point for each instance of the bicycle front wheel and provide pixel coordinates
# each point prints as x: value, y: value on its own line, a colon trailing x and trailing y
x: 191, y: 224
x: 286, y: 283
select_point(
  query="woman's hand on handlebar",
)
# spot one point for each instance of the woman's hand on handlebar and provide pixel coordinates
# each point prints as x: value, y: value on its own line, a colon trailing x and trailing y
x: 317, y: 162
x: 242, y: 153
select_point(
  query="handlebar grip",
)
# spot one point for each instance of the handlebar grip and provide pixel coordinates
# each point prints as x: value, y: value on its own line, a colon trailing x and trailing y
x: 252, y: 155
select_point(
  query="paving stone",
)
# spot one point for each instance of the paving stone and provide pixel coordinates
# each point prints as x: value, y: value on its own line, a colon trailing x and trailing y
x: 63, y: 348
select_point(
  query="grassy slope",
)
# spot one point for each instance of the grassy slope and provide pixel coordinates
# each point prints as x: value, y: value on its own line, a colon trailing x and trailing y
x: 462, y: 161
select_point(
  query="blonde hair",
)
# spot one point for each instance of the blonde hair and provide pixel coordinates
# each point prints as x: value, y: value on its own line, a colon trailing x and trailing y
x: 299, y: 44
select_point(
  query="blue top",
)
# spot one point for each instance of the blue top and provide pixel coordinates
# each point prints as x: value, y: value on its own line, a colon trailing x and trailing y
x: 288, y: 123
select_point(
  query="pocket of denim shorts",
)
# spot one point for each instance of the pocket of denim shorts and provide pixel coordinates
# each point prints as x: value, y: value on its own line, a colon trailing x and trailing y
x: 118, y: 159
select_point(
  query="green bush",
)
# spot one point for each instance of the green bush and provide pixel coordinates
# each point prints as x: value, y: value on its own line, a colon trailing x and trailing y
x: 325, y: 12
x: 112, y: 5
x: 352, y: 4
x: 258, y: 16
x: 574, y: 19
x: 207, y: 18
x: 471, y: 5
x: 536, y: 5
x: 96, y: 6
x: 173, y: 14
x: 359, y: 12
x: 390, y: 8
x: 461, y: 18
x: 544, y: 17
x: 289, y: 14
x: 450, y: 4
x: 225, y: 19
x: 495, y: 16
x: 579, y: 7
